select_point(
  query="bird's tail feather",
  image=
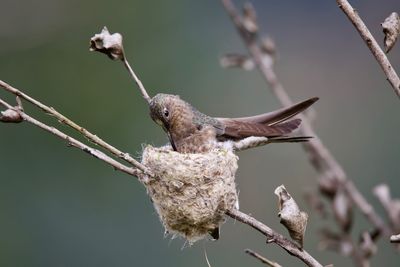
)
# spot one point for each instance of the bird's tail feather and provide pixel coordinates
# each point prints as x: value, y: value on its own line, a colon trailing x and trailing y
x: 290, y: 139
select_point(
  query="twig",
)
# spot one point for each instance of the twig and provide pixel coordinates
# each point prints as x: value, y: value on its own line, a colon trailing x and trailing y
x: 274, y: 237
x: 262, y: 259
x: 366, y: 208
x: 366, y: 35
x: 75, y: 143
x: 138, y: 82
x: 320, y: 157
x: 92, y: 137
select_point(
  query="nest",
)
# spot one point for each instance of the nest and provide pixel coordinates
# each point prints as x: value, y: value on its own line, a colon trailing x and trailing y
x: 191, y: 192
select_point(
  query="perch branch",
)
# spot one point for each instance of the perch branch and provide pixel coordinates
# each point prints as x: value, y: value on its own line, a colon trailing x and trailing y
x: 274, y: 237
x: 366, y: 35
x: 320, y: 157
x: 262, y: 259
x: 92, y: 137
x: 75, y: 143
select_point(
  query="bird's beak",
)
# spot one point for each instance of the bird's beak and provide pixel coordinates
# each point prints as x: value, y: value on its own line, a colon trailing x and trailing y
x: 159, y: 122
x: 171, y: 141
x: 168, y: 133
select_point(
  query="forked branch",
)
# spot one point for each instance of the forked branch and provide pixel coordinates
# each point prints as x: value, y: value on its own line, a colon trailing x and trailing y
x: 372, y: 44
x: 273, y: 237
x: 63, y: 119
x: 75, y: 143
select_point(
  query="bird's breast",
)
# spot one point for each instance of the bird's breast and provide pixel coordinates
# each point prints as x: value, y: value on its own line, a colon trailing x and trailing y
x: 200, y: 141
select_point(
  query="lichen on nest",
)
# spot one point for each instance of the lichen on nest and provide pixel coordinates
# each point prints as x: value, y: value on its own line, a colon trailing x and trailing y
x: 191, y: 192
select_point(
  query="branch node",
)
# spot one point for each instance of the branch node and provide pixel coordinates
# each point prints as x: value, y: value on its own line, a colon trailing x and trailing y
x: 262, y: 258
x: 11, y: 115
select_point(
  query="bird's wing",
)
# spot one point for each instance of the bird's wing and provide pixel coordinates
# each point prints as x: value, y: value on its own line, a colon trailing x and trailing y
x: 235, y: 129
x: 276, y: 116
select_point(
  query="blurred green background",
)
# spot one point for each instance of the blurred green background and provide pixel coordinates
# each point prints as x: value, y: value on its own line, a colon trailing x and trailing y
x: 60, y: 207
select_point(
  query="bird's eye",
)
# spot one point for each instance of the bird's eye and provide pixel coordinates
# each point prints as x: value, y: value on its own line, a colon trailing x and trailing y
x: 166, y: 112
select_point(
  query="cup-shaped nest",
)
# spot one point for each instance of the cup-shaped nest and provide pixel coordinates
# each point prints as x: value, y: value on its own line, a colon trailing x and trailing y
x: 191, y: 192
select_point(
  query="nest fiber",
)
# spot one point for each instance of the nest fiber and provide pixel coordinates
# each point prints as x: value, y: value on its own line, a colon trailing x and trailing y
x: 191, y: 192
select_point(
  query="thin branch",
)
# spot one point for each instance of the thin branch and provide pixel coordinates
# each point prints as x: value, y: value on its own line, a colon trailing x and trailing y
x: 320, y: 157
x: 262, y: 258
x: 366, y: 208
x: 274, y: 237
x: 75, y: 143
x: 138, y: 82
x: 366, y: 35
x: 92, y: 137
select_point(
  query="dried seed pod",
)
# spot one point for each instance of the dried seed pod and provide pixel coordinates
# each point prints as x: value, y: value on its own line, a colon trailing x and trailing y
x: 191, y: 192
x: 391, y: 29
x: 291, y: 216
x: 109, y: 44
x: 10, y: 115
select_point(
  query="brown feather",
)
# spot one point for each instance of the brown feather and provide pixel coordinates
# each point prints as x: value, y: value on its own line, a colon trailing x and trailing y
x: 239, y: 129
x: 275, y: 117
x: 290, y: 139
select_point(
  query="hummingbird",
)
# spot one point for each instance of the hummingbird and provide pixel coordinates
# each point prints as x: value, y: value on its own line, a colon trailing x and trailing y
x: 191, y: 131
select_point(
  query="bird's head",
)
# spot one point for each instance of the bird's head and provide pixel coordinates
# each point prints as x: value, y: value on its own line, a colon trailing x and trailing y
x: 162, y: 109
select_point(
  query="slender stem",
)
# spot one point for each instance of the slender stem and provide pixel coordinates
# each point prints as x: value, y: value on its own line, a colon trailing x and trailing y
x: 274, y: 237
x: 75, y: 143
x: 138, y: 82
x: 370, y: 41
x: 92, y: 137
x: 262, y: 258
